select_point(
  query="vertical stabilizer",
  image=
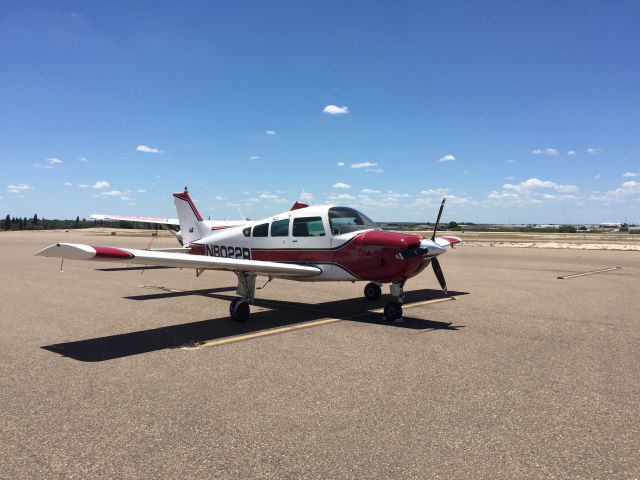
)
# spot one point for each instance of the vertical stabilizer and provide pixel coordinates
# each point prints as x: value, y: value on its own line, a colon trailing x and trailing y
x: 191, y: 224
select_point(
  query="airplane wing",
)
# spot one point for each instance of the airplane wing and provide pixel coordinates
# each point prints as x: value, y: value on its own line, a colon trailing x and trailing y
x: 159, y: 221
x: 447, y: 241
x: 77, y: 251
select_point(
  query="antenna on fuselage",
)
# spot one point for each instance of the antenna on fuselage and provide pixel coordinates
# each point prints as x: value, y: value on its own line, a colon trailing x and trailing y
x: 306, y: 197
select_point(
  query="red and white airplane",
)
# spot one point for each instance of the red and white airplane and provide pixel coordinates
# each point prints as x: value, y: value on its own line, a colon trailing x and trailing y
x: 307, y: 243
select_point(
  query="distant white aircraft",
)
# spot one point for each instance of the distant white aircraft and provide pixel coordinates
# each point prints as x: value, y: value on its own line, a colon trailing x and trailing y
x: 306, y: 243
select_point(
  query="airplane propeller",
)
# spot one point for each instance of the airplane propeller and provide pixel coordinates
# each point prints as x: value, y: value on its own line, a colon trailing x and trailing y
x: 429, y: 249
x: 439, y: 275
x: 435, y: 263
x: 435, y: 227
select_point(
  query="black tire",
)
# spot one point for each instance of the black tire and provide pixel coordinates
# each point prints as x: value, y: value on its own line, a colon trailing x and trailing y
x: 239, y: 310
x: 372, y: 292
x: 393, y: 311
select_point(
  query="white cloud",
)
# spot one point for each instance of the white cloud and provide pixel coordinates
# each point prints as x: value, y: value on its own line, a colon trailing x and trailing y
x: 499, y: 195
x: 571, y: 152
x: 141, y: 190
x: 83, y: 159
x: 101, y: 185
x: 533, y: 183
x: 342, y: 196
x: 546, y: 151
x: 335, y: 110
x: 125, y: 198
x: 369, y: 191
x: 146, y: 149
x: 270, y: 132
x: 564, y: 196
x: 112, y: 193
x: 597, y: 177
x: 375, y: 170
x: 435, y: 191
x: 254, y: 157
x: 630, y: 188
x: 364, y: 165
x: 49, y: 164
x: 340, y: 164
x: 84, y: 185
x: 447, y: 158
x: 219, y: 198
x: 397, y: 195
x: 593, y: 151
x: 19, y: 188
x: 68, y: 184
x: 341, y: 185
x: 269, y: 196
x: 509, y: 178
x: 630, y: 174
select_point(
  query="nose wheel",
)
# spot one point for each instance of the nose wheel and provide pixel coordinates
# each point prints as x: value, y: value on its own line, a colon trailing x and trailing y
x: 372, y: 291
x: 393, y: 309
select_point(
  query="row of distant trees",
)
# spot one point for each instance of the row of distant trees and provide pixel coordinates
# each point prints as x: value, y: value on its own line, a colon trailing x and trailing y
x: 36, y: 223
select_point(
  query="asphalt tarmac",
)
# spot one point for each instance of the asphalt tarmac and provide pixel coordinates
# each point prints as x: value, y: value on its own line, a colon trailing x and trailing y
x: 108, y: 372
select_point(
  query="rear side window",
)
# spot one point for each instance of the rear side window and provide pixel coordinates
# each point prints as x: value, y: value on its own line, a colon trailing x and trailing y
x: 308, y: 227
x: 280, y: 228
x: 247, y: 232
x: 261, y: 230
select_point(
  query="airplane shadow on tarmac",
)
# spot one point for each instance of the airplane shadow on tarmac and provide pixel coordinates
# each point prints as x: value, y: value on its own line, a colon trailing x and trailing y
x: 278, y: 314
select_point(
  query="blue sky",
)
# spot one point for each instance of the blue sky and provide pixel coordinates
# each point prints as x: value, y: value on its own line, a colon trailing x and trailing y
x: 516, y: 111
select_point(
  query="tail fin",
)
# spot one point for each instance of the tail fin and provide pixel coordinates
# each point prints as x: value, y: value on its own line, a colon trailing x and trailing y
x: 191, y: 224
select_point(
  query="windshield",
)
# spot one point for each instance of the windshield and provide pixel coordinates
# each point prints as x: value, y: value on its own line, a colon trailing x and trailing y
x: 345, y: 220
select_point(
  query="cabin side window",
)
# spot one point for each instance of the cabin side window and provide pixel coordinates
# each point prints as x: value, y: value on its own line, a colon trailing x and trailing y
x: 247, y: 232
x: 308, y: 227
x: 280, y: 228
x: 261, y: 230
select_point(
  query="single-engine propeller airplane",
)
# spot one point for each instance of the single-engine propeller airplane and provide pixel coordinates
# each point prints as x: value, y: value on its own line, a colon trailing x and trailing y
x: 307, y: 243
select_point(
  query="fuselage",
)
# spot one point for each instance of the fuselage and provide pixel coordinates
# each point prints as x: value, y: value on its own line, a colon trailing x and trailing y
x: 342, y: 242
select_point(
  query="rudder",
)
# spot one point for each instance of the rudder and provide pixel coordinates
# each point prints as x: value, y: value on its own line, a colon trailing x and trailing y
x: 191, y: 224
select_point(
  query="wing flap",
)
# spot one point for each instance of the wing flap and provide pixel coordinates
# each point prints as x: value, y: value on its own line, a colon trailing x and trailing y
x: 77, y: 251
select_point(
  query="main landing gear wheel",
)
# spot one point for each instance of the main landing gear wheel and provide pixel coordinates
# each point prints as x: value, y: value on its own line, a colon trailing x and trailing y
x: 393, y: 311
x: 239, y: 310
x: 372, y: 291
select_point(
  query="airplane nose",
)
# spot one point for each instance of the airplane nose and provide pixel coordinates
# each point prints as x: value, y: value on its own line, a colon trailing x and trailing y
x: 426, y: 249
x: 432, y: 248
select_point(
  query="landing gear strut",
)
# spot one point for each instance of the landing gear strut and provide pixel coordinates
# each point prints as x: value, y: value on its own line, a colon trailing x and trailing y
x: 372, y: 291
x: 239, y: 308
x: 393, y: 309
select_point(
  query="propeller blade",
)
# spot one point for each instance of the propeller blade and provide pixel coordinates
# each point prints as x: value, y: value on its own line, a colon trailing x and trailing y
x: 435, y: 227
x: 439, y: 275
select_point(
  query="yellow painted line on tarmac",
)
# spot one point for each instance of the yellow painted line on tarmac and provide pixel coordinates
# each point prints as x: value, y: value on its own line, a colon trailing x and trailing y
x: 564, y: 277
x: 265, y: 333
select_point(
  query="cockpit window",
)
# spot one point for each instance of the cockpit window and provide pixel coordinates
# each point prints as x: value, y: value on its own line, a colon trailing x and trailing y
x: 344, y: 220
